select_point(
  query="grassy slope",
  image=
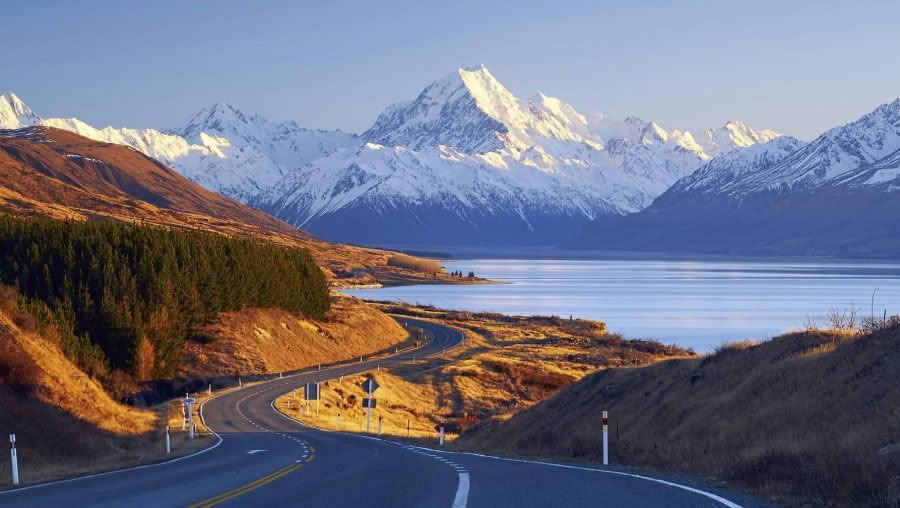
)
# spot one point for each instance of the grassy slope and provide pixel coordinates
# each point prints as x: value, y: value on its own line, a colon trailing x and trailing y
x: 64, y: 421
x: 272, y: 340
x: 799, y: 418
x: 506, y: 365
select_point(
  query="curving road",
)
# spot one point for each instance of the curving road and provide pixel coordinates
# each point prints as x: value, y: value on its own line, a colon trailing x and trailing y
x: 265, y: 458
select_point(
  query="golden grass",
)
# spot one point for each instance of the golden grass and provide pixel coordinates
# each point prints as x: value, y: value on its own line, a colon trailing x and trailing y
x: 506, y: 365
x: 254, y: 341
x: 798, y: 419
x: 65, y: 423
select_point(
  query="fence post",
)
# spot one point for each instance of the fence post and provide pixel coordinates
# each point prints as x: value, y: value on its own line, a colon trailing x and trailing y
x: 168, y: 443
x: 605, y: 438
x: 14, y: 458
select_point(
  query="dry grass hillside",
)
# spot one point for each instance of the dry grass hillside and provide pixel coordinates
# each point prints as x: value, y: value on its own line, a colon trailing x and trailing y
x: 47, y: 171
x: 507, y: 364
x: 272, y: 340
x: 809, y: 418
x: 65, y: 423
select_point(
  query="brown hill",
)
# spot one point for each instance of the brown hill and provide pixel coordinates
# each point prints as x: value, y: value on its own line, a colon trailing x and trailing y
x: 63, y: 168
x: 808, y: 417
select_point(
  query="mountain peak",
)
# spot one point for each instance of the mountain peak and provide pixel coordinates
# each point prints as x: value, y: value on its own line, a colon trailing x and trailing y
x: 14, y: 113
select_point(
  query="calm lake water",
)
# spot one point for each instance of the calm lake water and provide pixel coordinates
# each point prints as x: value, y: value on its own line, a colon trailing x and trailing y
x: 695, y: 304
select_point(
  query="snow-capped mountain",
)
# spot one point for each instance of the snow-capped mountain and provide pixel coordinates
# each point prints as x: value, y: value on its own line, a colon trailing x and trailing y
x: 468, y: 162
x: 15, y: 114
x: 720, y: 174
x: 464, y: 162
x: 836, y: 195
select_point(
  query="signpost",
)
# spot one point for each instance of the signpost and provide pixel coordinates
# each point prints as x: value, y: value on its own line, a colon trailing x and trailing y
x: 190, y: 414
x: 369, y: 386
x: 312, y: 393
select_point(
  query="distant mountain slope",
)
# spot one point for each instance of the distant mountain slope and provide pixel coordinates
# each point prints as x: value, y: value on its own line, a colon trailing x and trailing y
x: 836, y: 195
x: 465, y: 162
x: 63, y: 168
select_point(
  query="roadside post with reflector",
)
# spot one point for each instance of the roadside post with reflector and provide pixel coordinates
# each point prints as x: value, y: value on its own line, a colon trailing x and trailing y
x: 14, y: 458
x: 605, y: 438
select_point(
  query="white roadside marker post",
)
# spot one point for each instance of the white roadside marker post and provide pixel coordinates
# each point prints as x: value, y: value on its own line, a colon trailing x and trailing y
x: 14, y: 458
x: 239, y: 383
x: 442, y: 433
x: 338, y: 424
x: 209, y: 390
x: 342, y: 379
x: 320, y: 366
x: 360, y: 359
x: 379, y: 425
x: 168, y: 443
x: 191, y: 421
x: 280, y: 376
x: 605, y: 438
x: 318, y: 396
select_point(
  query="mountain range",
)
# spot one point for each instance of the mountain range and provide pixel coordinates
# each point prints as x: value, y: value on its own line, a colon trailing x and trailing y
x: 465, y: 162
x: 836, y: 195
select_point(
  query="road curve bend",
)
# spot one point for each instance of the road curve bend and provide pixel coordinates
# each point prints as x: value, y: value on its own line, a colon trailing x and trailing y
x: 263, y: 458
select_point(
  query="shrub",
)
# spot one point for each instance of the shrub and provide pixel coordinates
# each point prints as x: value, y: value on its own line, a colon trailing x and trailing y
x: 412, y: 263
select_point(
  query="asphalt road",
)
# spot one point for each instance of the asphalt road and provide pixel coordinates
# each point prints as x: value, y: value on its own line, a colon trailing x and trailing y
x: 266, y: 459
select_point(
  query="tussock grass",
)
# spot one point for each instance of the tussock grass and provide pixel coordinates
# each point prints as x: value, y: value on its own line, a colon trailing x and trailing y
x: 806, y: 417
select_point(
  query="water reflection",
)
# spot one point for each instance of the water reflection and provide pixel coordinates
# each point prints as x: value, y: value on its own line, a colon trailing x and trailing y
x: 695, y: 304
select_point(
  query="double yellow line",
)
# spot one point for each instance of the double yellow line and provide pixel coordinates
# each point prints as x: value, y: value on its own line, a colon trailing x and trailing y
x: 240, y: 491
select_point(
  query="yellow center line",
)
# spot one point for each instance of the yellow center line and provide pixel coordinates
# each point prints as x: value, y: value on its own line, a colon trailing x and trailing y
x: 265, y: 480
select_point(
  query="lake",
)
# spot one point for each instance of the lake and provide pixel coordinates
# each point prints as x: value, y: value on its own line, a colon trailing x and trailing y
x: 697, y: 304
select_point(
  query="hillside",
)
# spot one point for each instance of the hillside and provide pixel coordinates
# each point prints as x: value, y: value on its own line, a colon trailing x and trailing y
x: 806, y: 417
x: 64, y: 420
x: 834, y: 196
x: 51, y: 172
x: 271, y: 340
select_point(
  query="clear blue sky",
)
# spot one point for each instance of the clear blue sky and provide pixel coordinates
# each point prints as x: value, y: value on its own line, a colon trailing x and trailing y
x: 797, y: 67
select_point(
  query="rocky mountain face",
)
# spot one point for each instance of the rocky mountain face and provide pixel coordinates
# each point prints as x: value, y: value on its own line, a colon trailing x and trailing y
x: 466, y: 162
x: 837, y: 195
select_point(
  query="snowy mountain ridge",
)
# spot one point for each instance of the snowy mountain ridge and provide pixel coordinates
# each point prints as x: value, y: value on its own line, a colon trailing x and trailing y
x: 859, y: 154
x: 465, y: 150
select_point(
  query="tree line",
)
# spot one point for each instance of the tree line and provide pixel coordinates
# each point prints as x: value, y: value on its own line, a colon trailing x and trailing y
x: 127, y: 296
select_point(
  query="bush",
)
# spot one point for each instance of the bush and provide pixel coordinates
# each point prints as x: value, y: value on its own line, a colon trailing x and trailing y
x: 412, y: 263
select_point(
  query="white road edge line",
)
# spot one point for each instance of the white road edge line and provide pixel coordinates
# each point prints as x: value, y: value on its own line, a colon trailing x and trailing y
x: 69, y: 480
x: 710, y: 495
